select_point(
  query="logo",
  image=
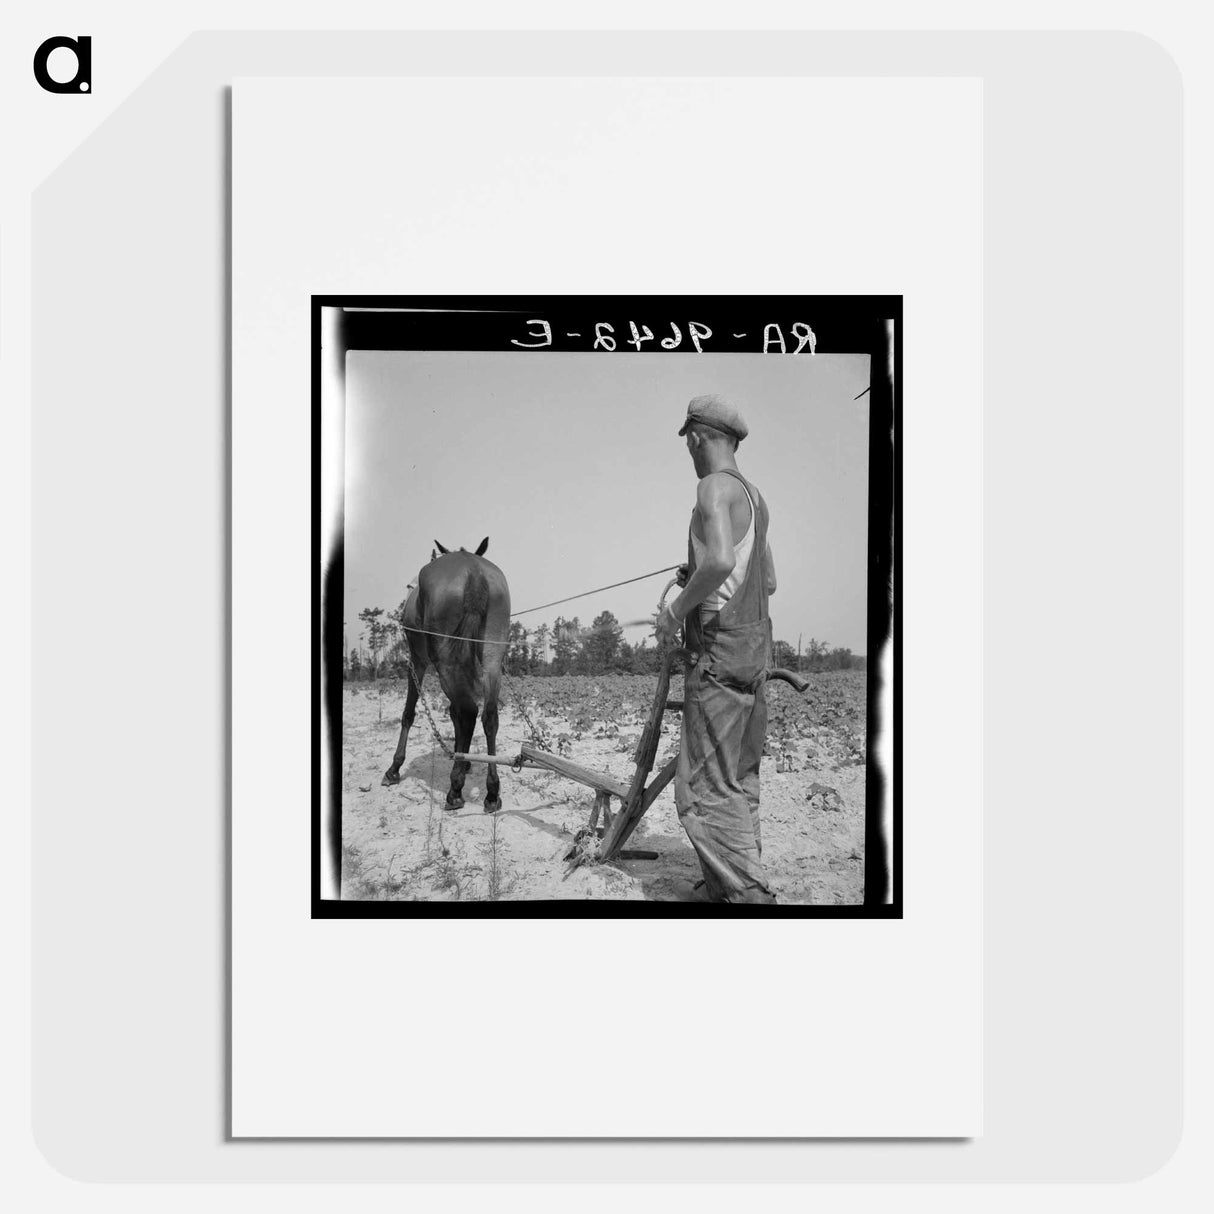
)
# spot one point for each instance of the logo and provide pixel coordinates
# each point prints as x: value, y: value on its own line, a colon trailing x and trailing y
x: 82, y: 81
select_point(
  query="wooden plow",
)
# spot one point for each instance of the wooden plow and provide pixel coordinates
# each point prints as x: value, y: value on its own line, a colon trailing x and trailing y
x: 597, y: 843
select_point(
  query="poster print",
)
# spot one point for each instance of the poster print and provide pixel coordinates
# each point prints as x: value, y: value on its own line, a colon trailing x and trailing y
x: 606, y: 606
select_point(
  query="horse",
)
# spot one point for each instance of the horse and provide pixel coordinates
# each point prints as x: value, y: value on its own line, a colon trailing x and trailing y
x: 457, y: 618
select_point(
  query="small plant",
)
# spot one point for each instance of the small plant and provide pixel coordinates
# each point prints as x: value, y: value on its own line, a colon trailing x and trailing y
x: 495, y: 886
x: 541, y: 734
x: 351, y: 867
x: 446, y: 877
x: 391, y: 887
x: 358, y: 885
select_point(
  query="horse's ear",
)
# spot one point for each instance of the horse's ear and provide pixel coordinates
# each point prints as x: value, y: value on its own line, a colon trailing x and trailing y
x: 484, y: 547
x: 440, y: 548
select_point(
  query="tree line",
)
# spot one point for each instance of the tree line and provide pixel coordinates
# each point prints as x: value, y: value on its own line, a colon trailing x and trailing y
x: 567, y: 647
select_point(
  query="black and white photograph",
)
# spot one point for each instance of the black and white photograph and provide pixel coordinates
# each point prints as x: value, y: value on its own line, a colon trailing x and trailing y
x: 741, y: 603
x: 603, y: 604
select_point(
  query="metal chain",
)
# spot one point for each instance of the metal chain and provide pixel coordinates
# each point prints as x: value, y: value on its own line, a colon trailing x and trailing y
x: 425, y: 703
x: 519, y: 700
x: 424, y: 700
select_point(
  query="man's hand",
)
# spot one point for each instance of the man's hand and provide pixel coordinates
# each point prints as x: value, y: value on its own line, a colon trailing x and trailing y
x: 681, y: 577
x: 667, y: 627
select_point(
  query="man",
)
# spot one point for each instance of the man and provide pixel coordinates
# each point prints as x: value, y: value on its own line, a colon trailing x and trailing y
x: 723, y: 609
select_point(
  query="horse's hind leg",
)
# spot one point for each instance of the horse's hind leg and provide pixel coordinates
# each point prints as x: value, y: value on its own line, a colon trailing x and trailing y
x: 493, y: 795
x: 392, y: 775
x: 463, y: 717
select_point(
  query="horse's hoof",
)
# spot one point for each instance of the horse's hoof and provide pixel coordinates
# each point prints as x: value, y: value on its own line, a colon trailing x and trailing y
x: 390, y: 778
x: 491, y: 807
x: 457, y: 803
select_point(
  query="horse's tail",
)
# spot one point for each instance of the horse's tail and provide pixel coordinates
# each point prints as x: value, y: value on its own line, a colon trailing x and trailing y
x: 471, y: 628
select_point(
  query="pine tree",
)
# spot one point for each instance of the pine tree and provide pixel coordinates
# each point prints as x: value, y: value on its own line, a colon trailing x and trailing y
x: 601, y: 647
x: 516, y: 651
x: 376, y: 633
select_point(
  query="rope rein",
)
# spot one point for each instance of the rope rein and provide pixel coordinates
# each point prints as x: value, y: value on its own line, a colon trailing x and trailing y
x: 587, y: 593
x: 450, y: 636
x: 517, y: 698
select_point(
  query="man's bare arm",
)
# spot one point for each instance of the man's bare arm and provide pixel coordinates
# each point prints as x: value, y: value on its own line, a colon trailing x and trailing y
x: 712, y: 508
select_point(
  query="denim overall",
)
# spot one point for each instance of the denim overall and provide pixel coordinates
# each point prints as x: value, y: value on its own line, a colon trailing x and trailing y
x: 724, y: 727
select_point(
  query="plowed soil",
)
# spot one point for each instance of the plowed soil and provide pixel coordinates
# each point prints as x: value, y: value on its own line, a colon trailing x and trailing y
x: 400, y: 842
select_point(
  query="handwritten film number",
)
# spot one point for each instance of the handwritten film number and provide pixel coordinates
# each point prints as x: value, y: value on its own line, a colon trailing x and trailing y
x: 698, y: 333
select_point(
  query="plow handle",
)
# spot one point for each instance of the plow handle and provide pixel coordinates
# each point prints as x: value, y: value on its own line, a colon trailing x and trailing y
x: 789, y: 676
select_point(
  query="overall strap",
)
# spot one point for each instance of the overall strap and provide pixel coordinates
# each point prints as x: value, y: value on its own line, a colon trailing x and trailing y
x: 749, y: 601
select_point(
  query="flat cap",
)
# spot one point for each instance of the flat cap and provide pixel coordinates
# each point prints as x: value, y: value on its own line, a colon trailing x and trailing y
x: 717, y: 412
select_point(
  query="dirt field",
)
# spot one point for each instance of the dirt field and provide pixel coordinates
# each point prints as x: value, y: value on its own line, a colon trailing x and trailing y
x: 400, y: 842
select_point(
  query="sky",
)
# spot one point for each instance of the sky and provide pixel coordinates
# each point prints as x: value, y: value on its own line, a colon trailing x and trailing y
x: 571, y: 464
